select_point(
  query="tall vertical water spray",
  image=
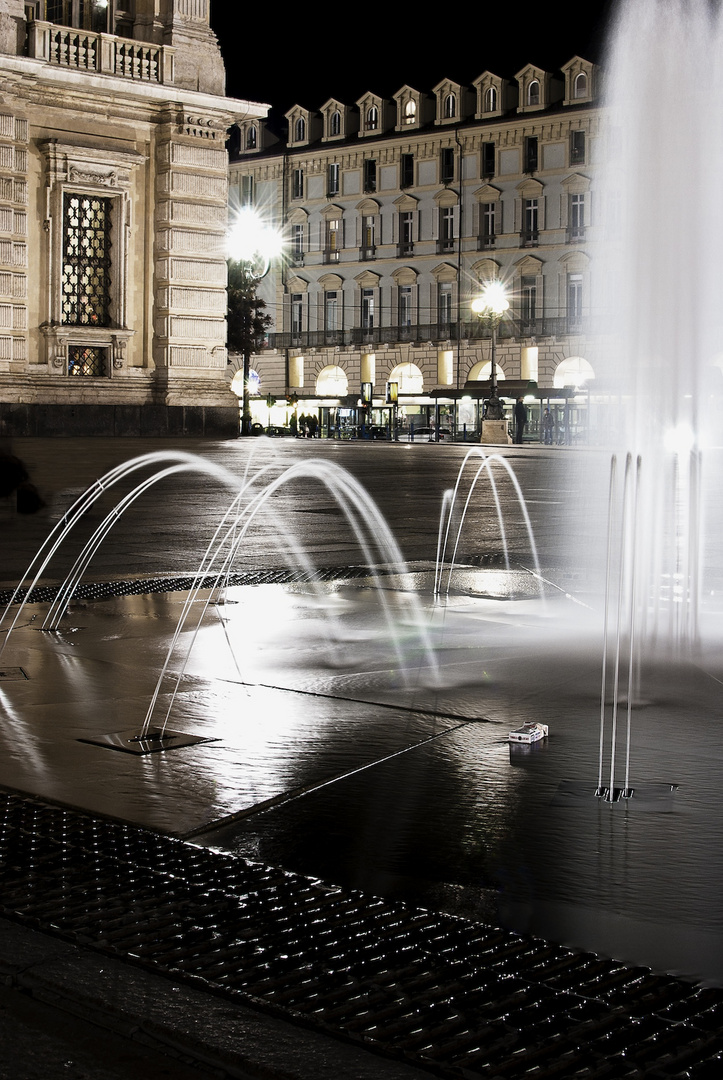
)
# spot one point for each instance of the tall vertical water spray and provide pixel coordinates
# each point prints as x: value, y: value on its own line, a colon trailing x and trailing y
x: 659, y: 279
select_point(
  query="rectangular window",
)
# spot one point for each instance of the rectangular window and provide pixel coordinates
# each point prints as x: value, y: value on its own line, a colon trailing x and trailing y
x: 528, y: 301
x: 576, y: 230
x: 333, y: 179
x: 297, y: 315
x: 87, y: 361
x: 444, y: 303
x: 247, y: 191
x: 487, y: 224
x: 577, y: 147
x: 370, y: 175
x: 86, y: 283
x: 488, y: 159
x: 82, y: 14
x: 331, y: 312
x: 530, y: 233
x: 333, y: 240
x: 297, y: 184
x: 405, y: 306
x: 530, y: 154
x: 368, y: 236
x: 406, y: 232
x: 367, y: 309
x: 574, y: 301
x: 406, y: 171
x: 446, y: 165
x: 297, y: 243
x: 446, y: 228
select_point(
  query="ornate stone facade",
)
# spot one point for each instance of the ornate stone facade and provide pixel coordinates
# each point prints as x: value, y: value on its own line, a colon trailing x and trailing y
x: 397, y: 213
x: 113, y: 214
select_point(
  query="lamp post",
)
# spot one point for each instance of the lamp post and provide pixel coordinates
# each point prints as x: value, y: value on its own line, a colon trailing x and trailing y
x: 490, y: 306
x: 251, y: 245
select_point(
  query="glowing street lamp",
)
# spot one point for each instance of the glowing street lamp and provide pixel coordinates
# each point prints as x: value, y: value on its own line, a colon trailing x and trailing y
x: 252, y: 244
x: 490, y: 306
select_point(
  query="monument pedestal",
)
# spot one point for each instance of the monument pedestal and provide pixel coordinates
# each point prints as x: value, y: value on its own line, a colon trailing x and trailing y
x: 494, y: 432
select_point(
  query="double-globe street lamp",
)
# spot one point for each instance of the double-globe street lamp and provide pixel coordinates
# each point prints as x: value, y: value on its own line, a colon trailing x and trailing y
x: 489, y: 307
x: 251, y: 245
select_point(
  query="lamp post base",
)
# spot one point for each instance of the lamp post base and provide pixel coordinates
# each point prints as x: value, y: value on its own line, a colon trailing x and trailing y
x: 494, y: 432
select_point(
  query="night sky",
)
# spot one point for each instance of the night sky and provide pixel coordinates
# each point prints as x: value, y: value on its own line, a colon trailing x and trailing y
x: 281, y: 56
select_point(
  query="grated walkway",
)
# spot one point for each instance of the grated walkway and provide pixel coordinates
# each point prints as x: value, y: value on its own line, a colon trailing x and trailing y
x: 440, y: 993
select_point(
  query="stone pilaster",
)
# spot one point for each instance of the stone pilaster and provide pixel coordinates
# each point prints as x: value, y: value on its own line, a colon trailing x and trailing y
x: 13, y: 240
x: 190, y: 228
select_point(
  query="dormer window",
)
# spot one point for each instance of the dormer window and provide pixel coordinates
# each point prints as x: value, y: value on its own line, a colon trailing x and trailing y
x: 490, y: 99
x: 300, y: 130
x: 580, y: 85
x: 335, y: 123
x: 533, y: 92
x: 251, y: 138
x: 372, y: 118
x: 450, y: 107
x: 410, y: 111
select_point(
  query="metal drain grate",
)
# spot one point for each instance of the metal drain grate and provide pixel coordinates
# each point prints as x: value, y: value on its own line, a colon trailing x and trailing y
x: 454, y: 997
x: 182, y: 583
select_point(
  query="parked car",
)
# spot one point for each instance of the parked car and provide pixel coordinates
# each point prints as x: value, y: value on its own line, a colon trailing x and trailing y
x: 425, y: 434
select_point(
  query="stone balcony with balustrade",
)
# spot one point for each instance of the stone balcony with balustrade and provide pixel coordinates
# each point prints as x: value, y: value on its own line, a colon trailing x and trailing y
x: 103, y: 54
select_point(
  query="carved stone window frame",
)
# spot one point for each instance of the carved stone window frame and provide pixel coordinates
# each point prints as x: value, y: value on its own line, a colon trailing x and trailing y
x: 71, y: 169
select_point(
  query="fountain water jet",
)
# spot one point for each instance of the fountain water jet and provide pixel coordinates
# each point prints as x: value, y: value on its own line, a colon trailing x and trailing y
x: 367, y: 524
x: 659, y: 280
x: 449, y: 503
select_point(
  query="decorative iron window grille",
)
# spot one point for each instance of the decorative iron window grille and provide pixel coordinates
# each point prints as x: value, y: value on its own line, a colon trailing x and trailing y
x: 87, y: 360
x: 86, y: 260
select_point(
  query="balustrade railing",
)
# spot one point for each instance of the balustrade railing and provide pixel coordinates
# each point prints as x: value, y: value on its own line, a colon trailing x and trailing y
x: 105, y: 54
x: 507, y: 330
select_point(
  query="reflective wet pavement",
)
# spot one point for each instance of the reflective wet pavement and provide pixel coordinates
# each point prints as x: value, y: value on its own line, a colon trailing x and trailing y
x: 321, y: 759
x: 327, y: 764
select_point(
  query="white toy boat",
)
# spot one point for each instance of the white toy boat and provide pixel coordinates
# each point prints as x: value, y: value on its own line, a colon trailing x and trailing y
x: 529, y: 733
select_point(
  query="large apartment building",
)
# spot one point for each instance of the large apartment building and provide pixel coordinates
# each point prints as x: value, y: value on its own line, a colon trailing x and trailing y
x: 396, y: 214
x: 113, y: 217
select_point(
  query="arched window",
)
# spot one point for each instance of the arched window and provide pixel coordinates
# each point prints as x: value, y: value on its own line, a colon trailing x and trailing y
x: 335, y: 123
x: 372, y: 118
x: 410, y: 111
x: 533, y: 93
x: 332, y: 382
x: 580, y: 90
x: 482, y: 371
x: 491, y: 99
x: 251, y: 138
x: 408, y: 377
x: 300, y: 130
x: 574, y: 371
x: 450, y: 106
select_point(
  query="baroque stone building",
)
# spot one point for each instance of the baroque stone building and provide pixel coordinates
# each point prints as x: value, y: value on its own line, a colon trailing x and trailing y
x: 113, y: 215
x: 396, y: 214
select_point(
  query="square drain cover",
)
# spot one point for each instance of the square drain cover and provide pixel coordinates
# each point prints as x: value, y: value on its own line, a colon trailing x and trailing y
x: 12, y: 674
x: 130, y: 742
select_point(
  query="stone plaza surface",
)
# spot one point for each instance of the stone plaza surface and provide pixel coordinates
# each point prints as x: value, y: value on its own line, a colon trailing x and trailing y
x: 371, y: 757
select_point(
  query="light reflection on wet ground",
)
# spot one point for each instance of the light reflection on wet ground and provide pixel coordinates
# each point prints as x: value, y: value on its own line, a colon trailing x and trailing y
x: 428, y: 800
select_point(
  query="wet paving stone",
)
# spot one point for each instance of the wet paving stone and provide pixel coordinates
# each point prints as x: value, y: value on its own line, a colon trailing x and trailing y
x: 457, y: 998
